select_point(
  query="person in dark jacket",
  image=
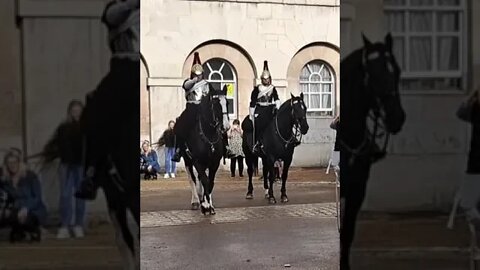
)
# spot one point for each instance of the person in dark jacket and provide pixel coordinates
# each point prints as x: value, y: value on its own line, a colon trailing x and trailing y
x: 150, y: 159
x: 67, y: 145
x: 28, y: 213
x: 169, y: 140
x: 470, y: 190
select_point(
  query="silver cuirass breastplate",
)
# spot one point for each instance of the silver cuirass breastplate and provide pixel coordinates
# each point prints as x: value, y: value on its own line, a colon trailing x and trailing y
x: 195, y: 94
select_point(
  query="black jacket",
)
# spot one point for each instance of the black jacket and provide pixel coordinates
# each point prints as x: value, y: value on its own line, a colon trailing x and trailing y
x: 167, y: 139
x: 66, y: 144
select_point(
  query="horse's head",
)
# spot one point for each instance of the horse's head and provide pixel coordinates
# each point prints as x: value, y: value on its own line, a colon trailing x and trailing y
x: 299, y: 112
x: 218, y: 104
x: 382, y: 76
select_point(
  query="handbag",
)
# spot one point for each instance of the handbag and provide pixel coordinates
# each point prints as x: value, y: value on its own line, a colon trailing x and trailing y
x: 464, y: 112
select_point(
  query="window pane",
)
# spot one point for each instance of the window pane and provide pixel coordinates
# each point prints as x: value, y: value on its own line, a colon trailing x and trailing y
x: 306, y: 98
x: 399, y: 51
x: 421, y: 2
x: 326, y: 101
x: 230, y: 103
x: 315, y: 101
x: 314, y: 88
x: 215, y: 64
x: 216, y: 86
x: 305, y: 74
x: 395, y: 21
x: 227, y: 72
x: 448, y: 21
x: 421, y: 21
x: 326, y: 87
x: 394, y: 2
x: 315, y: 78
x: 448, y: 2
x: 304, y: 87
x: 420, y: 54
x: 216, y: 76
x: 448, y: 53
x: 326, y: 75
x: 315, y: 66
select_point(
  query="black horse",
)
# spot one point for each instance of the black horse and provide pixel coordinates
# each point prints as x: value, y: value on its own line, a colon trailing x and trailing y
x: 279, y: 143
x: 206, y: 144
x: 369, y: 90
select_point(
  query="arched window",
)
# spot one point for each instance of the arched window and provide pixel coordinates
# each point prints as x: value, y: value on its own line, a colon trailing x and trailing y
x: 218, y: 72
x: 317, y: 84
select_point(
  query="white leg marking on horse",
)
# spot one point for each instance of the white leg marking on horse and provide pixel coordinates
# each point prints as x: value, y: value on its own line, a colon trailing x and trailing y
x: 266, y: 191
x: 195, y: 198
x: 205, y: 203
x: 211, y: 200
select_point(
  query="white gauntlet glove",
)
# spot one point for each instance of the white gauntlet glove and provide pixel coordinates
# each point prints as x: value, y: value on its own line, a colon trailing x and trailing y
x: 252, y: 113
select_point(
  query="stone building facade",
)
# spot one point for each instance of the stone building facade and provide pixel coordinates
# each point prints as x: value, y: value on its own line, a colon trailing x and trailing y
x: 300, y: 40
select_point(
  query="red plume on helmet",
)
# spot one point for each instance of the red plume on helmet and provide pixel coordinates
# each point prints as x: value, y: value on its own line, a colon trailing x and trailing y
x: 266, y: 73
x: 197, y: 68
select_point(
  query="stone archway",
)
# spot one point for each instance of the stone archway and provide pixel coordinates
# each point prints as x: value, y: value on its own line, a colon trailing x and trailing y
x: 316, y: 51
x: 238, y: 58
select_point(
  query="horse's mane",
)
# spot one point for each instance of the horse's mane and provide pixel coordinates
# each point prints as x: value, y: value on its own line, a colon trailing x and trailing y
x: 351, y: 62
x: 285, y: 105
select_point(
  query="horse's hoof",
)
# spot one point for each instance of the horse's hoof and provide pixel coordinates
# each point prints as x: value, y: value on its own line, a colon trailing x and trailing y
x: 267, y: 196
x: 203, y: 210
x: 195, y: 206
x: 249, y: 196
x: 212, y: 211
x: 284, y: 199
x: 272, y: 200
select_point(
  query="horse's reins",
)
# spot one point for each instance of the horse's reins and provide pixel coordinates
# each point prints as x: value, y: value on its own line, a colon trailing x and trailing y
x: 214, y: 125
x: 293, y: 135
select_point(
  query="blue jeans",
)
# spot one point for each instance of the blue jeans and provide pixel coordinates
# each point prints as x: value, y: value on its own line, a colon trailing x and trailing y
x: 70, y: 179
x: 170, y: 166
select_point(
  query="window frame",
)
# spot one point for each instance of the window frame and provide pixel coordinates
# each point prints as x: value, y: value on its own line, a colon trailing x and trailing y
x: 434, y: 34
x: 223, y: 82
x: 332, y: 82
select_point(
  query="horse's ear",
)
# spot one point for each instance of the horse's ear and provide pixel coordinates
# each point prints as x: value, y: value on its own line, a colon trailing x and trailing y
x: 291, y: 95
x: 366, y: 42
x: 301, y: 95
x: 388, y: 41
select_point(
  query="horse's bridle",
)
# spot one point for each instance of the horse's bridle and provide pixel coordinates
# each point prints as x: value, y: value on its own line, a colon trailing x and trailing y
x: 376, y: 114
x: 215, y: 125
x: 294, y: 135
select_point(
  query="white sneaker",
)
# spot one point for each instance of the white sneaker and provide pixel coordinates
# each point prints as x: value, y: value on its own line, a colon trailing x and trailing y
x: 78, y: 232
x: 166, y: 176
x: 63, y: 233
x: 172, y: 175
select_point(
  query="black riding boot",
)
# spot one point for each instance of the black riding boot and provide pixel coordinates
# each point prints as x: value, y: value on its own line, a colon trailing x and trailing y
x: 88, y: 187
x: 178, y: 154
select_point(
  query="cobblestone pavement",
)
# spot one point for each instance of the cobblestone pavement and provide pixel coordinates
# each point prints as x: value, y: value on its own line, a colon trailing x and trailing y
x: 228, y: 215
x: 244, y: 234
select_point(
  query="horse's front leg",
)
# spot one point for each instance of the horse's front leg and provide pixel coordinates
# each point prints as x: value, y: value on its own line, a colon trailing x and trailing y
x: 250, y: 168
x: 194, y: 183
x: 271, y: 178
x: 212, y: 171
x: 283, y: 190
x: 265, y: 178
x: 204, y: 198
x: 354, y: 197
